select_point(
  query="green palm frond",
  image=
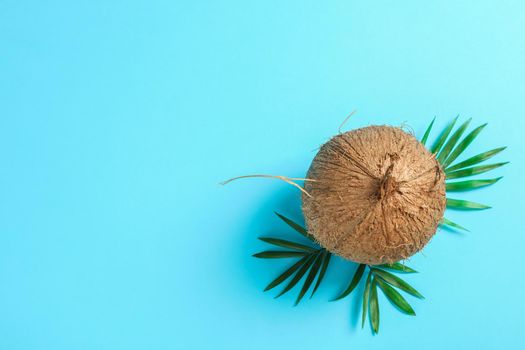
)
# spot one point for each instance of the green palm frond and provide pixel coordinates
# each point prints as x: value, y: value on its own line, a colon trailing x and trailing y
x: 388, y: 283
x: 462, y: 146
x: 398, y: 267
x: 313, y: 261
x: 279, y: 254
x: 310, y: 278
x: 325, y: 262
x: 470, y: 184
x: 447, y: 150
x: 451, y: 143
x: 295, y: 226
x: 300, y: 273
x: 475, y: 170
x: 366, y: 299
x: 465, y: 205
x: 427, y: 132
x: 476, y: 159
x: 396, y: 298
x: 287, y: 244
x: 373, y: 308
x: 355, y: 281
x: 395, y: 281
x: 449, y: 223
x: 443, y: 137
x: 290, y: 271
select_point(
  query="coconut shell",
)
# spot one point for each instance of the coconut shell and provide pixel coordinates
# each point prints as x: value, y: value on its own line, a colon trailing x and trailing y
x: 376, y: 196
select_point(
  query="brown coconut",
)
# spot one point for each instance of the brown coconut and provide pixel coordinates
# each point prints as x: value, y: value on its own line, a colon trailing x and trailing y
x: 377, y: 195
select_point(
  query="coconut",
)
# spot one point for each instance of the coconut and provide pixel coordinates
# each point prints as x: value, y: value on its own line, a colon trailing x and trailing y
x: 375, y: 195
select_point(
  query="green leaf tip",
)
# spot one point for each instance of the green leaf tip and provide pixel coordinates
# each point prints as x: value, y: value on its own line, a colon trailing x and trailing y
x: 278, y: 254
x: 475, y: 159
x: 396, y: 298
x: 287, y: 244
x: 302, y: 271
x: 326, y: 261
x: 462, y: 146
x: 309, y: 278
x: 443, y: 137
x: 374, y: 307
x: 427, y: 132
x: 452, y: 224
x: 470, y: 184
x: 286, y: 274
x: 476, y: 170
x: 465, y: 205
x: 451, y: 143
x: 398, y: 267
x: 366, y: 298
x: 312, y: 264
x: 355, y: 281
x: 396, y: 282
x: 295, y: 226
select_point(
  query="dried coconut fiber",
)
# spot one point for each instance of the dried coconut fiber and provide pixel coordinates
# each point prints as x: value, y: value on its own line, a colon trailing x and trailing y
x: 376, y: 195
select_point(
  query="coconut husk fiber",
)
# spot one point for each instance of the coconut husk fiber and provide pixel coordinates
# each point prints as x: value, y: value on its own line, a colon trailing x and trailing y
x: 377, y: 195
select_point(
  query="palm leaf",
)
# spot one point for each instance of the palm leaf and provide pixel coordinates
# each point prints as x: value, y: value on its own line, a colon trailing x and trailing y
x: 297, y: 277
x: 463, y: 145
x: 281, y: 278
x: 326, y: 260
x: 278, y: 254
x: 472, y: 171
x: 355, y: 281
x: 451, y: 143
x: 476, y: 159
x: 447, y: 222
x: 443, y: 137
x: 465, y: 205
x: 310, y: 277
x: 374, y: 307
x: 396, y: 298
x: 469, y: 184
x: 427, y: 132
x: 295, y: 226
x: 398, y: 267
x: 287, y: 244
x: 366, y: 298
x: 396, y: 282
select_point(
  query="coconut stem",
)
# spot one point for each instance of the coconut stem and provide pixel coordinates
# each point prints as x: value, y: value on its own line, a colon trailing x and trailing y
x: 388, y: 184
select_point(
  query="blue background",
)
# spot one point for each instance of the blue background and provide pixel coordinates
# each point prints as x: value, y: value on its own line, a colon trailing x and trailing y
x: 119, y: 118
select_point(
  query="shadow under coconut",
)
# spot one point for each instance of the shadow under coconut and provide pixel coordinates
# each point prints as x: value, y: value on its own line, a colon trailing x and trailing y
x: 452, y: 230
x: 264, y: 223
x: 260, y: 272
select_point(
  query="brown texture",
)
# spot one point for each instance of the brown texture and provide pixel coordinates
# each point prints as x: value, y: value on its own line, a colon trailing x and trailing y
x: 377, y: 196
